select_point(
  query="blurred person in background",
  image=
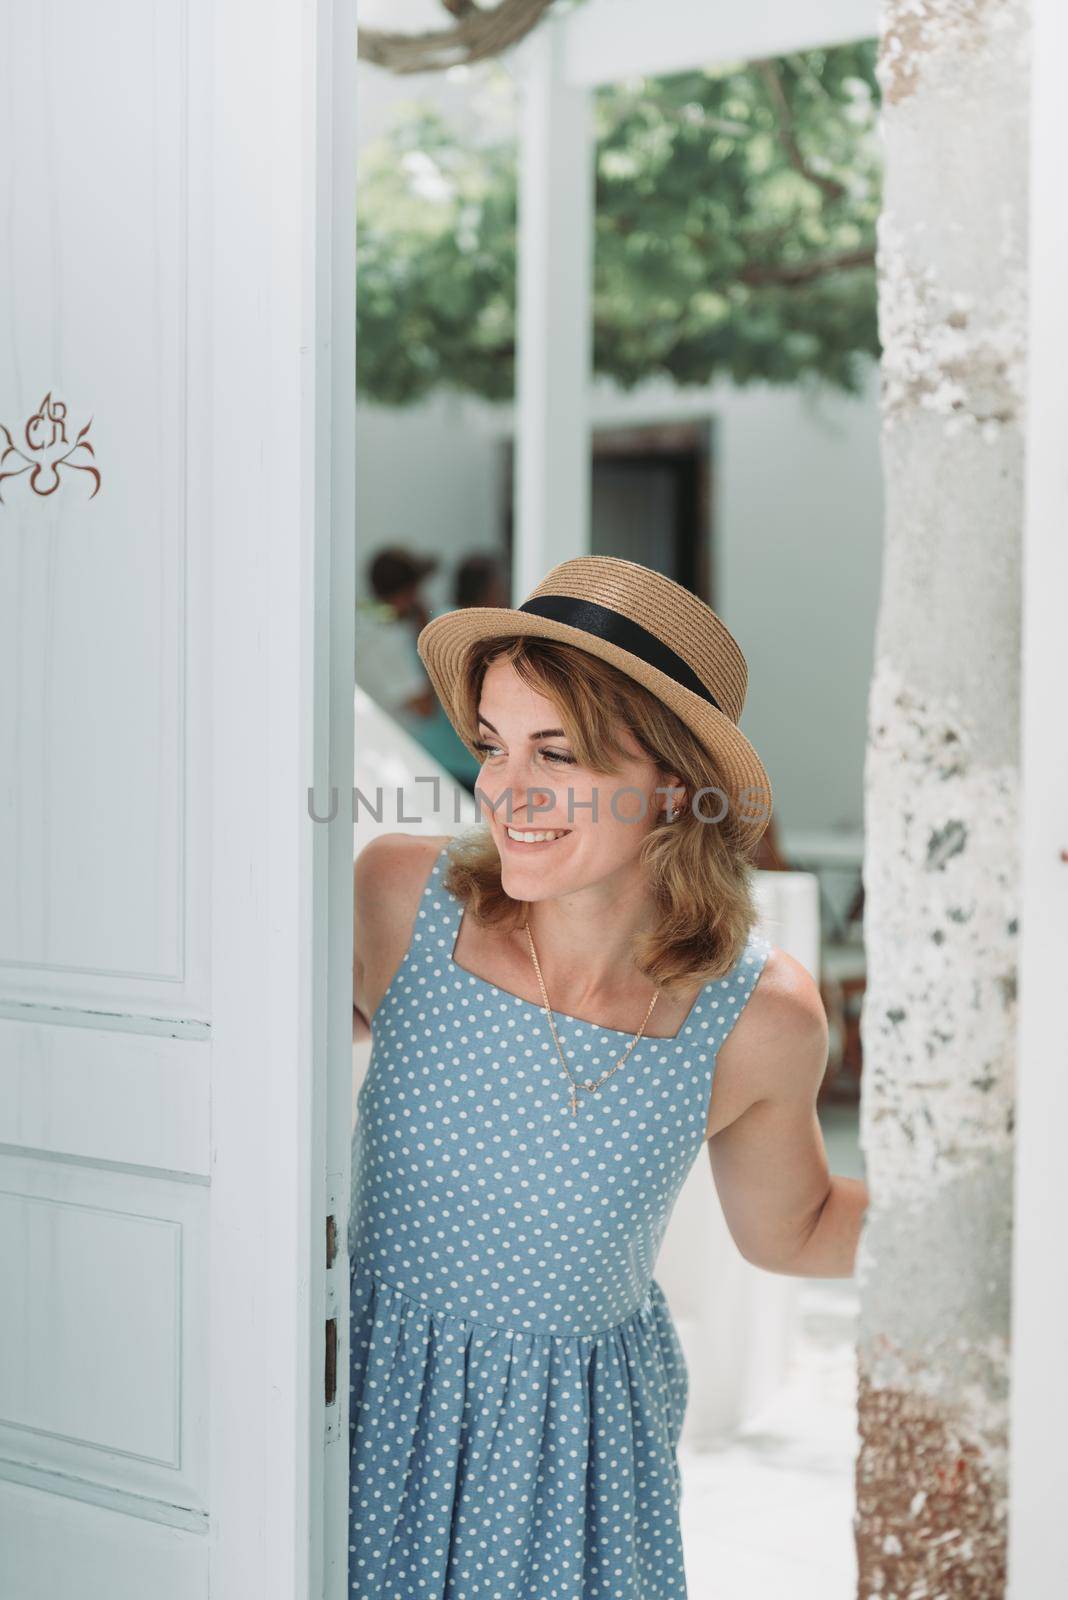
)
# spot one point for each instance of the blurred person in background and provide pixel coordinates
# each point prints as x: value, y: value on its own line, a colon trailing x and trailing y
x: 480, y: 582
x: 387, y: 663
x: 388, y: 667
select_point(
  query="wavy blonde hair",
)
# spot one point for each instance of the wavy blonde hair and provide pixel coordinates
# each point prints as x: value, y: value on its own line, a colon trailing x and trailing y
x: 700, y: 873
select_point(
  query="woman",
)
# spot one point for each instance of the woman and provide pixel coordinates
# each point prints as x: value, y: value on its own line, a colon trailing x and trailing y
x: 548, y: 996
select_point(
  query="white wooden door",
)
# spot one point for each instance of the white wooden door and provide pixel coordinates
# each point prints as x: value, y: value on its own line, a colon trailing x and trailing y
x: 176, y: 585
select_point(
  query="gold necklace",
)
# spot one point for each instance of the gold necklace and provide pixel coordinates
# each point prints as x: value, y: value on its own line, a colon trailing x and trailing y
x: 589, y: 1084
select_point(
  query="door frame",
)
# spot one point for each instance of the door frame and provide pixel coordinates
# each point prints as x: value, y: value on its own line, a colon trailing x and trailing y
x: 282, y: 292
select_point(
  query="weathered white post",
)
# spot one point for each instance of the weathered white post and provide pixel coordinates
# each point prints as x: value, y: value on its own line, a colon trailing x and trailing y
x: 942, y: 861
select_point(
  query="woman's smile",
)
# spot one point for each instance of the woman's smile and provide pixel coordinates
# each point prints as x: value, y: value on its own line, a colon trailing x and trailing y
x: 531, y: 840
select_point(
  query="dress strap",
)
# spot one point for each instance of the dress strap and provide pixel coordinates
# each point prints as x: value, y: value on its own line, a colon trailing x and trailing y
x: 437, y: 919
x: 740, y: 982
x: 437, y: 922
x: 725, y: 997
x: 715, y: 1011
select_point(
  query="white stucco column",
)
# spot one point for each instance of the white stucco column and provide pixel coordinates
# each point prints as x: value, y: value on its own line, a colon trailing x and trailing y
x: 554, y: 319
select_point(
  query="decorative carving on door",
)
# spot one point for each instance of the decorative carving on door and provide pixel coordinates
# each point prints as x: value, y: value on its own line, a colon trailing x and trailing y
x: 45, y: 435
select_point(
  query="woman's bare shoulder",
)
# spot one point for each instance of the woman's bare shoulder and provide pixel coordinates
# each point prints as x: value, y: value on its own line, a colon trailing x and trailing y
x: 777, y: 1048
x: 389, y: 854
x: 389, y: 876
x: 391, y: 870
x: 786, y: 989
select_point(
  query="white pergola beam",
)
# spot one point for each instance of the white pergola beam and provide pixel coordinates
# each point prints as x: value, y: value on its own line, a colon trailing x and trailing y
x: 554, y: 320
x: 608, y: 40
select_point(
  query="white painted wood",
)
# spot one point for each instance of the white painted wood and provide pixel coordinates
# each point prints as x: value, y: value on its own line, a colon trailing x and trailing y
x: 91, y: 1094
x: 1038, y: 1473
x: 104, y: 1365
x: 175, y: 670
x: 329, y: 1157
x: 553, y: 319
x: 606, y: 40
x: 102, y: 819
x: 284, y: 198
x: 73, y: 1547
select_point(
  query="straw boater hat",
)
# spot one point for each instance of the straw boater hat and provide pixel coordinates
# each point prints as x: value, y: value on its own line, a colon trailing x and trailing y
x: 649, y: 627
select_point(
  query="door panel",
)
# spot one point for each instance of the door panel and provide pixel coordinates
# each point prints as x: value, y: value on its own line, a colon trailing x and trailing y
x: 103, y: 1362
x: 132, y: 1098
x: 73, y: 1548
x: 102, y: 706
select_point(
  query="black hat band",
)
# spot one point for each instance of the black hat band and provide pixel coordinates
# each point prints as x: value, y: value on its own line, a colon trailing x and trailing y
x: 622, y: 631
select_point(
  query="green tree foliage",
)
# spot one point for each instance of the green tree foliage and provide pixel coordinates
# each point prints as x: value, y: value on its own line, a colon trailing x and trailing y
x: 735, y: 235
x: 435, y: 271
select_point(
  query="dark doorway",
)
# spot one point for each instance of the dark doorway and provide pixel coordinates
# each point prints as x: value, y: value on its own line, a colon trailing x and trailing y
x: 651, y: 499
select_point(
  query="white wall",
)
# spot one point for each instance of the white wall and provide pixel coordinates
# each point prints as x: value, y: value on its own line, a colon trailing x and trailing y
x: 796, y: 545
x: 800, y: 508
x: 426, y: 477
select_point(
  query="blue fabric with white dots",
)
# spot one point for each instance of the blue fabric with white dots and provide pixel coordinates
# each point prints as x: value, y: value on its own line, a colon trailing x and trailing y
x: 517, y: 1385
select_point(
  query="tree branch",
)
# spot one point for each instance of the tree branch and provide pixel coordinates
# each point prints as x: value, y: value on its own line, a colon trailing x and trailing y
x: 789, y: 275
x: 769, y: 72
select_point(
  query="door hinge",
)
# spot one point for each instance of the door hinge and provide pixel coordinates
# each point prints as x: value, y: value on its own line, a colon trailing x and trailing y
x: 331, y: 1361
x: 335, y: 1261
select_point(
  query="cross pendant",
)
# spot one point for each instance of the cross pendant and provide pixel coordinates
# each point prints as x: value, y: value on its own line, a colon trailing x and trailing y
x: 574, y: 1102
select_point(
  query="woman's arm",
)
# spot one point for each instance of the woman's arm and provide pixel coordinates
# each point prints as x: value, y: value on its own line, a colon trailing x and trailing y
x: 786, y: 1212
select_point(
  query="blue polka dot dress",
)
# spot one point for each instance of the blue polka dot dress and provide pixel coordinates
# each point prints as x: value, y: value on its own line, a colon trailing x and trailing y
x: 517, y: 1385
